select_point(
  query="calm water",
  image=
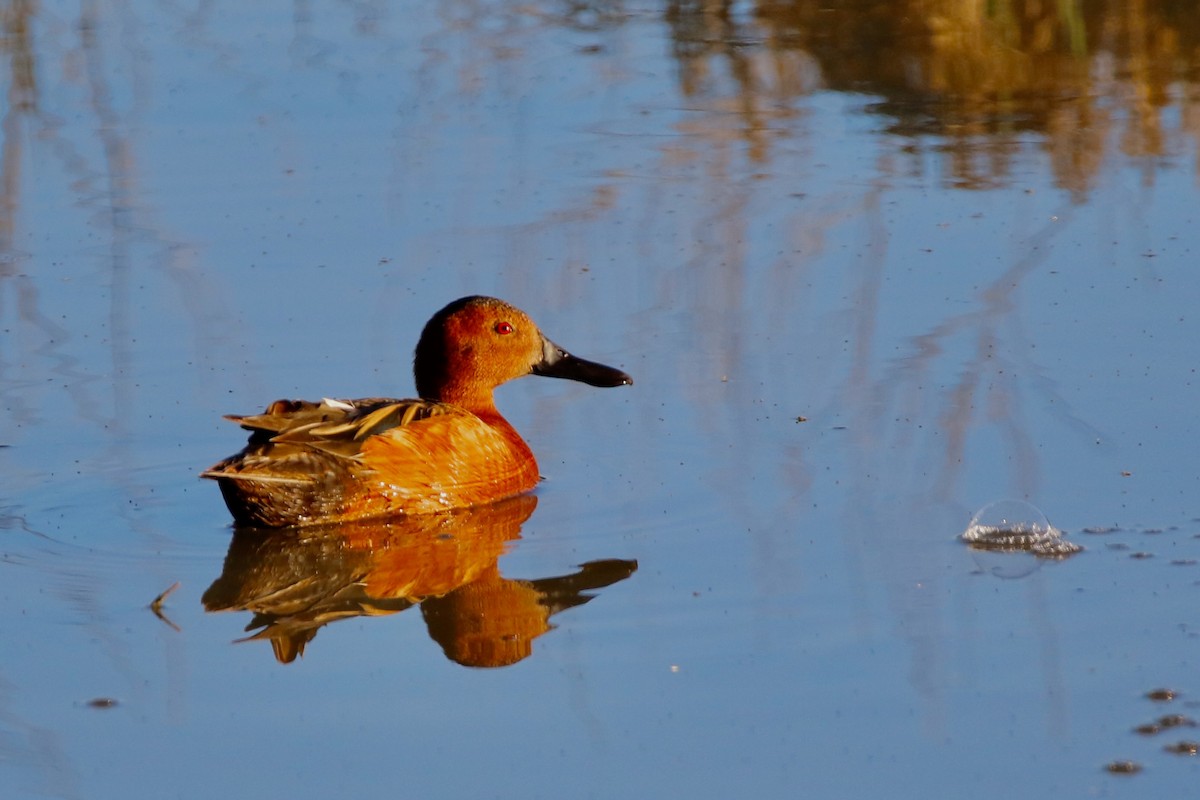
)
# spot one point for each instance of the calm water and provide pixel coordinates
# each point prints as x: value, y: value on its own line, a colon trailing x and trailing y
x: 872, y: 268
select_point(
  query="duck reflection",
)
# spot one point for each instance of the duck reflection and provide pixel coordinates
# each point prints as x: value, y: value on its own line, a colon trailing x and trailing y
x: 297, y: 580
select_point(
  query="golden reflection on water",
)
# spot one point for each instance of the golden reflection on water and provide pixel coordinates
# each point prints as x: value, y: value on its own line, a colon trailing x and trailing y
x: 297, y: 580
x: 1086, y: 77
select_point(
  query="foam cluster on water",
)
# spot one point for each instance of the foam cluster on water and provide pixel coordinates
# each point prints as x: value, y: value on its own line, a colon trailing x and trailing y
x: 1018, y: 527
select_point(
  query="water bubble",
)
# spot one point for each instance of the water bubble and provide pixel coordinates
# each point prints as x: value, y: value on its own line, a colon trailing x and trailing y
x: 1014, y: 526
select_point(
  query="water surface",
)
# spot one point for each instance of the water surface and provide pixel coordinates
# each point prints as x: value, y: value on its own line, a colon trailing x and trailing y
x: 872, y: 267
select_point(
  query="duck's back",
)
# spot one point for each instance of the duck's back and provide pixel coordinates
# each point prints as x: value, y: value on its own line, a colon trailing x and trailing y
x: 350, y: 459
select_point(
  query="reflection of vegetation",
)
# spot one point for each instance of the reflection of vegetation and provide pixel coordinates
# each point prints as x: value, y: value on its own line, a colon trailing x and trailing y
x: 21, y: 100
x: 978, y: 74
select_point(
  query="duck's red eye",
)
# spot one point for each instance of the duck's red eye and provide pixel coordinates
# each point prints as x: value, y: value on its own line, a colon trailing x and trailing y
x: 503, y: 328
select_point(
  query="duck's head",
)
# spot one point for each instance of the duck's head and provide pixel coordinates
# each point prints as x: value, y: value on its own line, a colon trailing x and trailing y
x: 477, y: 343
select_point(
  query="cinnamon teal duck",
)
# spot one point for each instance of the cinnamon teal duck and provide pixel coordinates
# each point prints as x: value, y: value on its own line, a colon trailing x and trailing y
x: 312, y: 462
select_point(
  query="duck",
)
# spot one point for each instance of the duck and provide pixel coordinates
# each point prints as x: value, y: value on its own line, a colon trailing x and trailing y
x: 315, y: 462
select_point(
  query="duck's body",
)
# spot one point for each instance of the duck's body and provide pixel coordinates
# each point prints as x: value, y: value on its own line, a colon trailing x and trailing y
x: 334, y: 460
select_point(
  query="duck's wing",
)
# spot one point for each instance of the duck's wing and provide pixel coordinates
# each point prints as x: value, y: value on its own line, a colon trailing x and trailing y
x: 339, y: 427
x: 289, y: 434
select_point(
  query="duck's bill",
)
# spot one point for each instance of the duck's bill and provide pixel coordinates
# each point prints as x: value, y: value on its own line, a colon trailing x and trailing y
x: 558, y: 363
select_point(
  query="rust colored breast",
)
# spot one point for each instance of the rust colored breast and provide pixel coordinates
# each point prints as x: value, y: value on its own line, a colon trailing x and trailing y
x: 449, y: 461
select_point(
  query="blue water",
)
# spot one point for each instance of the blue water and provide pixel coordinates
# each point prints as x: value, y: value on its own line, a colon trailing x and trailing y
x: 848, y: 332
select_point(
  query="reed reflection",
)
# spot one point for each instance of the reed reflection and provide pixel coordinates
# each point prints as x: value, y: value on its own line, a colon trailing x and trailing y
x: 1096, y: 80
x: 297, y: 580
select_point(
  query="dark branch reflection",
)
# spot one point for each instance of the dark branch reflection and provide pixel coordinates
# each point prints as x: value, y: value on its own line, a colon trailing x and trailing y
x: 297, y: 580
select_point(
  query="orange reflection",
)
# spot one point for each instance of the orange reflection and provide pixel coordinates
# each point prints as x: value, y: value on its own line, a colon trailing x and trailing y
x: 297, y: 580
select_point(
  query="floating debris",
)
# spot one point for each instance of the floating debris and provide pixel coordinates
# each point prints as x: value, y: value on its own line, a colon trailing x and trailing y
x: 1123, y: 767
x: 1161, y: 695
x: 1176, y: 721
x: 1014, y: 526
x: 1097, y: 530
x: 1184, y: 748
x: 102, y: 702
x: 157, y: 603
x: 1163, y: 723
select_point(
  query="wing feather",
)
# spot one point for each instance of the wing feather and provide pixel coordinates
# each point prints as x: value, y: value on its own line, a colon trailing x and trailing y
x: 336, y: 427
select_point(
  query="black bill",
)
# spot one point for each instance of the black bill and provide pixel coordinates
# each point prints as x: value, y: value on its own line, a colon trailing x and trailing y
x: 558, y: 363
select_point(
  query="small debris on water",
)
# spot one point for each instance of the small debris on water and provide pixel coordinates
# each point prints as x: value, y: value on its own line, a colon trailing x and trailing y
x: 1014, y: 526
x: 1184, y: 748
x: 1123, y: 767
x: 156, y: 605
x: 1176, y: 721
x: 102, y: 702
x: 1161, y: 695
x: 1163, y: 723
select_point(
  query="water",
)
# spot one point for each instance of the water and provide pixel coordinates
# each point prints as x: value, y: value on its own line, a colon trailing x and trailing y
x: 871, y: 271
